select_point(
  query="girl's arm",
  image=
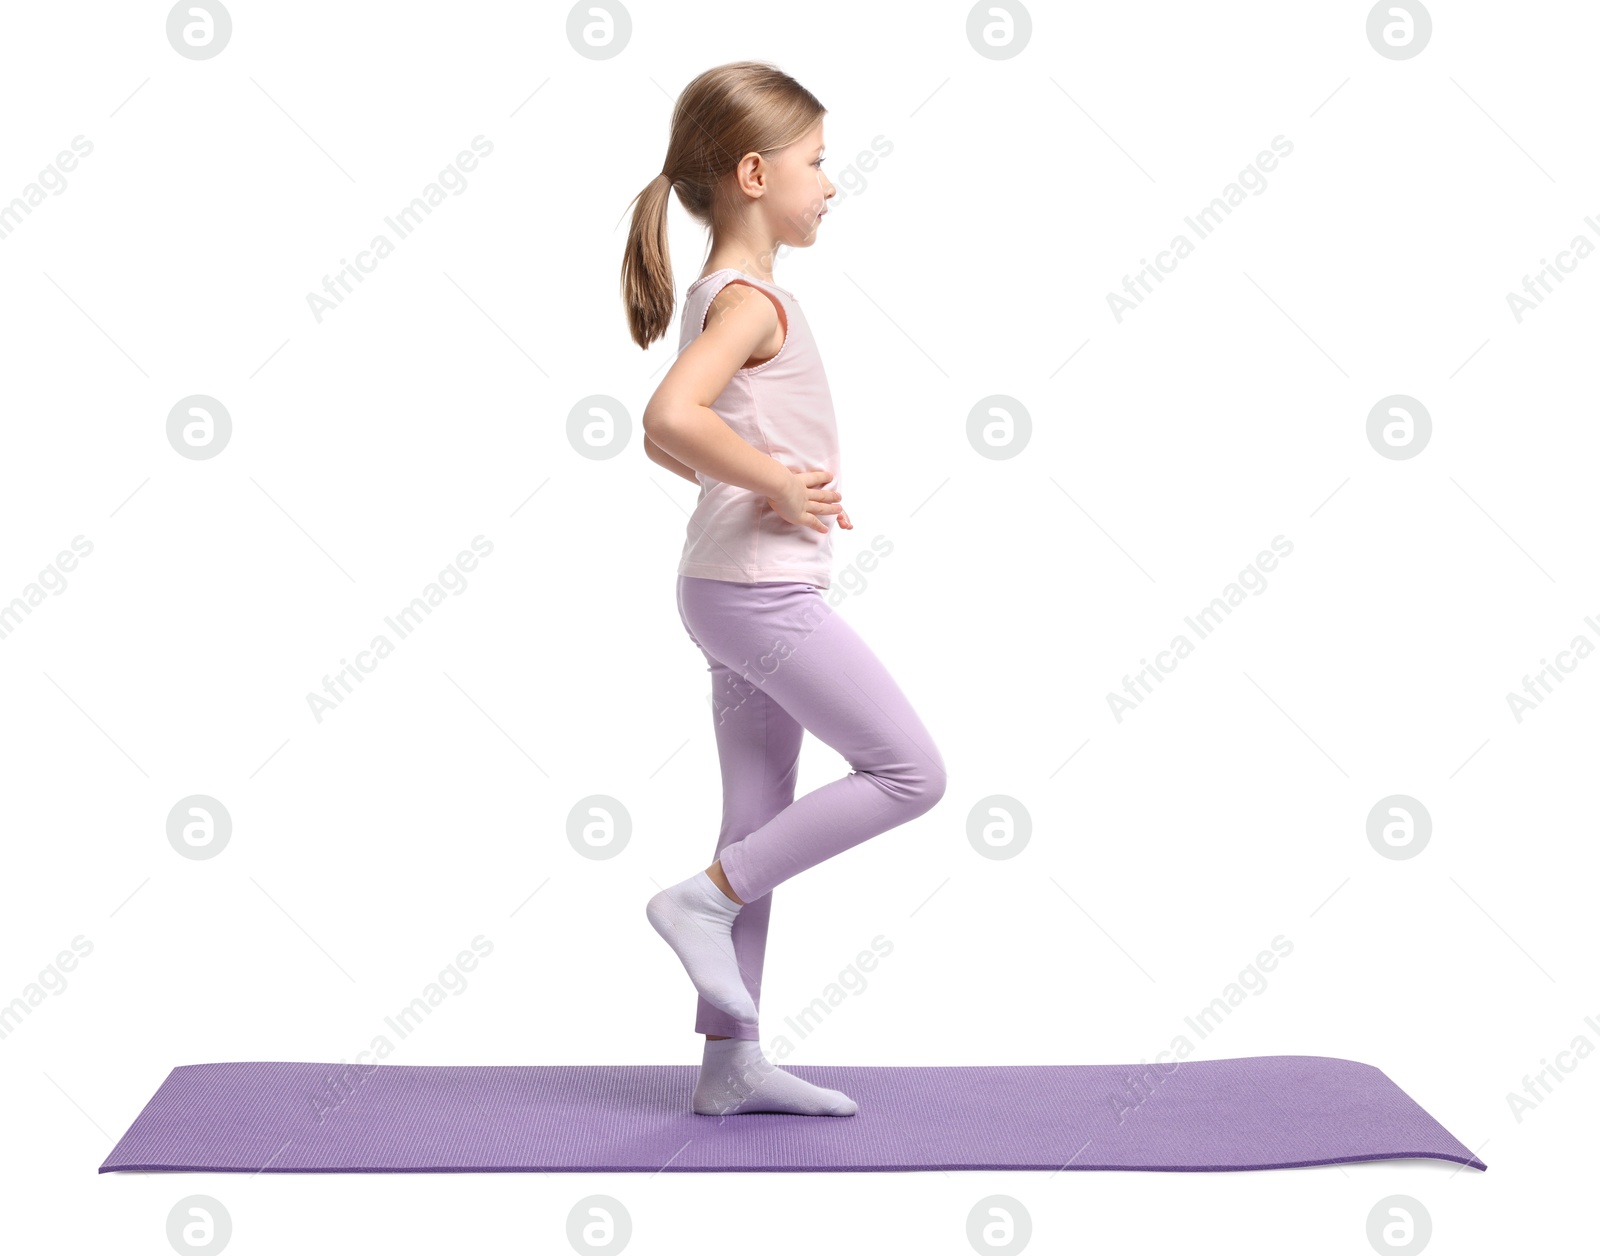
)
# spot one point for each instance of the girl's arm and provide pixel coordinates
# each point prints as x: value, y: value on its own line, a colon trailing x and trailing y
x: 661, y: 457
x: 679, y: 419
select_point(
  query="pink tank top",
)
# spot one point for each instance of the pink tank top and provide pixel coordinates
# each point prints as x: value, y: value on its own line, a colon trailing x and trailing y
x: 783, y: 408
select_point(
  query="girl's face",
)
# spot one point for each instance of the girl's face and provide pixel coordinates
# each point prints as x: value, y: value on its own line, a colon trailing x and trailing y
x: 798, y: 192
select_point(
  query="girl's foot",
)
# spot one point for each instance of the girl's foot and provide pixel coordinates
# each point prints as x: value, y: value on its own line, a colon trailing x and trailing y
x: 696, y: 919
x: 736, y: 1077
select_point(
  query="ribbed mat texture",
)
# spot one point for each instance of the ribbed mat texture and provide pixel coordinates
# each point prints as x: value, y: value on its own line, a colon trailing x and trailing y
x: 1263, y: 1112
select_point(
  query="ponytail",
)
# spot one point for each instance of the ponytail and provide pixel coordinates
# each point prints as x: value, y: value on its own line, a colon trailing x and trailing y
x: 647, y: 291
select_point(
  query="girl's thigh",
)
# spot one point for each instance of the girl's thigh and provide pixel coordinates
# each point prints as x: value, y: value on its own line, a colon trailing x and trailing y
x: 785, y: 642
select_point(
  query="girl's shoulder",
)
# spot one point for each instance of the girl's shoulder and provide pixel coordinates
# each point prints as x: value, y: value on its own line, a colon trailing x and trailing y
x: 741, y: 297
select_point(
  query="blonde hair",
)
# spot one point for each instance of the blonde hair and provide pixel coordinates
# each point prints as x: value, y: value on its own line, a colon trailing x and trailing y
x: 726, y: 112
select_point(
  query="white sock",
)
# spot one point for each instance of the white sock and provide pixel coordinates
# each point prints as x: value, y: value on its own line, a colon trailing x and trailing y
x: 696, y: 918
x: 737, y: 1077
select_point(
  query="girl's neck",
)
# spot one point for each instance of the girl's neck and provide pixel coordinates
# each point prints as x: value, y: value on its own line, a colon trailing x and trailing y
x: 729, y: 260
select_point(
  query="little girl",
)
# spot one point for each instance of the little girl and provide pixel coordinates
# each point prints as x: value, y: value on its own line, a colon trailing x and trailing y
x: 745, y: 412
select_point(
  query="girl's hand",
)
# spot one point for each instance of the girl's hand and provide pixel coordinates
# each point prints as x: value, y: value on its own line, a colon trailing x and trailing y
x: 803, y: 499
x: 844, y: 520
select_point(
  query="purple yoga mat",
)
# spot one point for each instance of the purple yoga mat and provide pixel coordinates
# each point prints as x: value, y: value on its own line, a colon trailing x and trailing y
x: 1263, y: 1112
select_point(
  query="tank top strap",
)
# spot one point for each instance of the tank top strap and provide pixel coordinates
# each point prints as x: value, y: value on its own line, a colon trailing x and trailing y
x: 697, y: 301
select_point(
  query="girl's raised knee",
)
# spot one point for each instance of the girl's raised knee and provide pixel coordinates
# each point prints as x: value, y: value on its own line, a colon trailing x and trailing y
x: 933, y: 782
x: 922, y: 783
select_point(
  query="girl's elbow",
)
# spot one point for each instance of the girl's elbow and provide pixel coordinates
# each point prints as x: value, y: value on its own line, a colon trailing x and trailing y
x: 654, y: 420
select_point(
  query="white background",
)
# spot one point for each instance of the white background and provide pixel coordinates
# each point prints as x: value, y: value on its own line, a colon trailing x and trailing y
x: 1167, y: 849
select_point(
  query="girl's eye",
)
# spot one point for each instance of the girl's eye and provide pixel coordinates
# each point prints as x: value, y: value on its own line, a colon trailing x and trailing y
x: 819, y: 161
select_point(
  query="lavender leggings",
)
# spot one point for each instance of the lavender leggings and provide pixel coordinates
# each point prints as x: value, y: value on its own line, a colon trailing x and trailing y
x: 782, y: 662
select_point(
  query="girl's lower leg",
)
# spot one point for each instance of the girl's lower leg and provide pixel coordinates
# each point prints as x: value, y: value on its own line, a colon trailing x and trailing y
x: 721, y: 881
